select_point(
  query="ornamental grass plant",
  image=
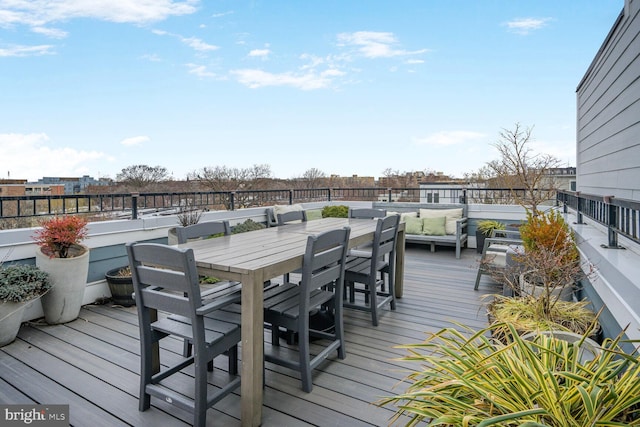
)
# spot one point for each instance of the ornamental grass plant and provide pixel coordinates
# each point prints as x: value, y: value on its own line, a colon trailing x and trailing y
x: 467, y: 378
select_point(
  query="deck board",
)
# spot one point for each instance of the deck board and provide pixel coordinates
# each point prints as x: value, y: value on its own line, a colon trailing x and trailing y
x: 92, y: 363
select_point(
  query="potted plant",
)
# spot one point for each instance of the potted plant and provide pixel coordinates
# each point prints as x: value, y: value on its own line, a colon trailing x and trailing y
x: 484, y: 229
x: 188, y: 214
x: 19, y: 285
x: 61, y: 254
x: 121, y: 286
x: 548, y: 268
x: 550, y: 262
x: 466, y: 377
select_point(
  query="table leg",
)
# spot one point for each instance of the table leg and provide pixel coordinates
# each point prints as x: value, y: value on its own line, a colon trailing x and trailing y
x: 252, y: 349
x: 399, y: 273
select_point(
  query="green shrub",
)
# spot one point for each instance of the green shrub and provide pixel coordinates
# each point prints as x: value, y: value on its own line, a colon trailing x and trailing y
x: 20, y: 283
x: 248, y: 225
x: 339, y: 211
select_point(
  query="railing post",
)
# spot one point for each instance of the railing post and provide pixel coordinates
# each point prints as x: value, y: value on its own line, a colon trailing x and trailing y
x: 390, y: 195
x: 611, y: 223
x: 328, y: 194
x: 232, y: 200
x: 290, y: 197
x: 134, y: 205
x: 579, y: 204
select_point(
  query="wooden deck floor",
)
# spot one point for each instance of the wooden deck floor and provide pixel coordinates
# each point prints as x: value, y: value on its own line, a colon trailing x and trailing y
x: 92, y: 363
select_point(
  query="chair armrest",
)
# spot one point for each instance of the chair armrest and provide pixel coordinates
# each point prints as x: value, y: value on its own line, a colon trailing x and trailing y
x: 460, y: 225
x: 221, y: 301
x: 501, y: 241
x: 506, y: 234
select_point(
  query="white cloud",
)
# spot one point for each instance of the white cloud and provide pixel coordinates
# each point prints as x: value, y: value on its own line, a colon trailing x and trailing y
x: 44, y: 49
x: 37, y: 13
x: 414, y: 61
x: 221, y: 14
x: 447, y: 138
x: 136, y: 140
x: 260, y: 53
x: 371, y: 44
x: 197, y: 44
x: 200, y: 71
x: 193, y: 42
x: 524, y: 26
x: 28, y: 156
x: 306, y: 81
x: 54, y: 33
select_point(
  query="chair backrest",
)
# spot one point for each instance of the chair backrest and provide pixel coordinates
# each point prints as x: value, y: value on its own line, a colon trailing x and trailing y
x: 323, y: 263
x: 292, y: 216
x: 367, y: 213
x: 164, y: 278
x: 384, y: 239
x: 202, y: 230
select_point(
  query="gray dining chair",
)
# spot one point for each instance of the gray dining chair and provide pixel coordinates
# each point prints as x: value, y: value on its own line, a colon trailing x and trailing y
x: 202, y: 230
x: 365, y: 213
x: 205, y: 230
x: 291, y: 217
x: 366, y: 275
x: 498, y: 258
x: 290, y: 305
x: 165, y: 279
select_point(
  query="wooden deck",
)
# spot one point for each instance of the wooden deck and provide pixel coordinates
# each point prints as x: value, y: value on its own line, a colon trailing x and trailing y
x: 92, y: 363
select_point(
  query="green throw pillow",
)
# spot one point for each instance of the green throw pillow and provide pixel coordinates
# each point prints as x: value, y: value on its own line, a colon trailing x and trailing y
x: 413, y: 226
x: 433, y: 226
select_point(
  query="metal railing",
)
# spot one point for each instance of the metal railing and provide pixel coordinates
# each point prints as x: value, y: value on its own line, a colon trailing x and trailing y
x: 133, y: 205
x: 620, y: 216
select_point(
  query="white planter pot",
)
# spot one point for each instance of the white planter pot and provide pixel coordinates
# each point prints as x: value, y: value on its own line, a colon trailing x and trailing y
x: 10, y: 321
x: 69, y: 279
x: 530, y: 288
x: 172, y: 237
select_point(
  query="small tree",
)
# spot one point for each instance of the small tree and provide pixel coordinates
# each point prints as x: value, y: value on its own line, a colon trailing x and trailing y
x: 519, y: 169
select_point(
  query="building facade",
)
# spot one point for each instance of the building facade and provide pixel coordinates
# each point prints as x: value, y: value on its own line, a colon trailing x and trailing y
x: 608, y: 113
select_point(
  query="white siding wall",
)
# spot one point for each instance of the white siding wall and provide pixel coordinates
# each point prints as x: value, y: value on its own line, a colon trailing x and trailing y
x: 608, y: 122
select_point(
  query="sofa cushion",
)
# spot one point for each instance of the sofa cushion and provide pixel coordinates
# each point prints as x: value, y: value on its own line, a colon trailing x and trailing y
x: 413, y: 225
x: 405, y: 215
x: 433, y: 226
x: 451, y: 216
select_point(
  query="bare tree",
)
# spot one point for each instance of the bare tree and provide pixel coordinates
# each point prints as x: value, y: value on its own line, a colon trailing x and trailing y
x: 225, y: 179
x: 141, y: 176
x: 519, y: 169
x: 313, y: 178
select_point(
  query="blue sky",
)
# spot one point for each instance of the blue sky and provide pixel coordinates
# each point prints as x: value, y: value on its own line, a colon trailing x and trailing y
x: 346, y: 87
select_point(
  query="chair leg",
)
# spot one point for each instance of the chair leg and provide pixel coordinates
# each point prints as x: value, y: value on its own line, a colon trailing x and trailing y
x: 305, y: 360
x: 392, y: 290
x: 200, y: 394
x: 186, y: 348
x: 373, y: 303
x: 339, y: 329
x: 233, y: 360
x: 475, y: 287
x: 144, y: 401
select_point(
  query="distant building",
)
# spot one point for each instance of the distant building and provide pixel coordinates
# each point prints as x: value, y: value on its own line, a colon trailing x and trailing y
x: 20, y: 187
x: 74, y: 185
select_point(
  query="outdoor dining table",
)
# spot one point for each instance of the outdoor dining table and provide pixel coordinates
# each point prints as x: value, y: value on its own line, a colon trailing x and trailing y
x: 255, y: 257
